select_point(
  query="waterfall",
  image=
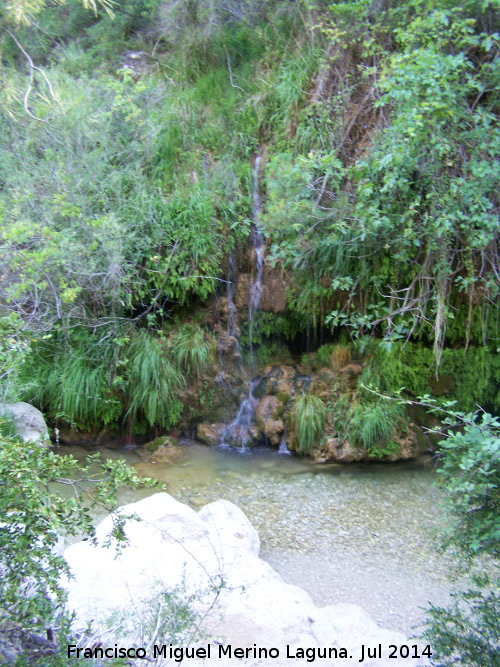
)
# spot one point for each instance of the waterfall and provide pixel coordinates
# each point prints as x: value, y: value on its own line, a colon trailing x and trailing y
x: 258, y: 245
x: 238, y: 431
x: 283, y: 446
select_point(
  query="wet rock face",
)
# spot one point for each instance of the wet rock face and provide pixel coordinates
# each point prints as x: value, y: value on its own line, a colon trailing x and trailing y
x: 273, y: 298
x: 267, y: 418
x: 338, y: 450
x: 104, y: 438
x: 280, y: 381
x: 408, y: 445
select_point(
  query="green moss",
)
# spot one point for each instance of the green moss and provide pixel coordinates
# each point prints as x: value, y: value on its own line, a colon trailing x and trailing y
x: 472, y: 376
x: 159, y: 442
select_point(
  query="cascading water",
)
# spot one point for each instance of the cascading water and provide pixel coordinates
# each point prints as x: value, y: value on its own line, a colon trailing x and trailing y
x: 258, y: 245
x: 283, y: 446
x: 232, y: 312
x: 238, y: 431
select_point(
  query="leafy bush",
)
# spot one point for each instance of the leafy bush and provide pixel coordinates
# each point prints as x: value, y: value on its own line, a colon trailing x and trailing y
x: 470, y: 472
x: 308, y: 421
x: 71, y: 379
x: 371, y: 424
x: 34, y: 517
x: 467, y: 633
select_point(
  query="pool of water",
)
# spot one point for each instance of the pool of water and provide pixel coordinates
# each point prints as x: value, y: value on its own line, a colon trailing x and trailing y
x: 364, y: 534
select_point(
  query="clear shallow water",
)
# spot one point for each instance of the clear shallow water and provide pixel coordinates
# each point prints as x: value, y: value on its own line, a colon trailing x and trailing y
x: 363, y: 534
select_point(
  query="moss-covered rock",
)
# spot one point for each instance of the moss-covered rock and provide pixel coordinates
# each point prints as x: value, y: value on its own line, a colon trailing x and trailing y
x: 162, y: 441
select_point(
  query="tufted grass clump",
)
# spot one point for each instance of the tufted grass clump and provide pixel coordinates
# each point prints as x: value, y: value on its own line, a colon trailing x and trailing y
x: 69, y: 379
x: 308, y: 421
x: 194, y: 349
x: 369, y: 423
x: 152, y: 383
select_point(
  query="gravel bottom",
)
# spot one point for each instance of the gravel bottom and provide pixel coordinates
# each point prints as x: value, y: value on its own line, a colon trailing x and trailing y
x: 365, y: 535
x: 360, y: 534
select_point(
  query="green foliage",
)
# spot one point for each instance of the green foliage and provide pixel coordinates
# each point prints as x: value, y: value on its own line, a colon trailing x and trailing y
x: 269, y: 326
x: 308, y: 421
x: 323, y: 354
x: 403, y: 237
x: 467, y: 632
x: 368, y: 422
x: 72, y: 379
x: 384, y: 451
x: 470, y: 472
x: 367, y: 418
x: 474, y: 373
x: 34, y: 516
x: 194, y: 349
x: 466, y: 636
x: 13, y: 348
x: 152, y: 382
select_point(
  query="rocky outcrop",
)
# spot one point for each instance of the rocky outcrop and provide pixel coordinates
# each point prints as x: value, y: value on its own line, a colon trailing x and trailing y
x: 176, y: 548
x: 16, y: 641
x: 28, y: 422
x: 273, y: 299
x: 280, y: 381
x: 267, y: 417
x: 338, y: 450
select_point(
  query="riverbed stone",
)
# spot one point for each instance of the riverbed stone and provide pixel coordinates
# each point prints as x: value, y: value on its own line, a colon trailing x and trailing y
x: 210, y: 434
x: 164, y: 449
x: 174, y: 546
x: 28, y: 422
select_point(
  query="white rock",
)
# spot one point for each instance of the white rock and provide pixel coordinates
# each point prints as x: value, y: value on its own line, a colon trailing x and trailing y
x: 29, y: 422
x: 173, y: 543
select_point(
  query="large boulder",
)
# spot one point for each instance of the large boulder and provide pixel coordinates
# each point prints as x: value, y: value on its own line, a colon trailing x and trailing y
x: 163, y: 449
x: 28, y: 422
x: 174, y: 545
x: 210, y: 434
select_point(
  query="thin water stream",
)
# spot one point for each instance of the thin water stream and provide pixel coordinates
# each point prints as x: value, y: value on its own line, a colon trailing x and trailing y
x: 363, y: 534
